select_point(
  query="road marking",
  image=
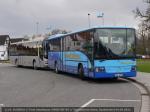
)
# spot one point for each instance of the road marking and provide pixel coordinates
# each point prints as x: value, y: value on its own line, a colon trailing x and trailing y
x: 92, y: 100
x: 86, y: 104
x: 117, y: 100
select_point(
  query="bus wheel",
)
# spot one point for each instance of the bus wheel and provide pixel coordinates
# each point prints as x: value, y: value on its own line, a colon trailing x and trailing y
x: 81, y: 72
x: 115, y: 78
x: 34, y: 65
x: 56, y: 68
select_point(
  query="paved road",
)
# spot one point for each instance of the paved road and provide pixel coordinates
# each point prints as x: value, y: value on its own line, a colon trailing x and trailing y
x: 28, y: 87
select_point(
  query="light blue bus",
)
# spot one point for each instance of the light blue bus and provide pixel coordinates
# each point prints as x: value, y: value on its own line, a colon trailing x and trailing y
x: 98, y: 52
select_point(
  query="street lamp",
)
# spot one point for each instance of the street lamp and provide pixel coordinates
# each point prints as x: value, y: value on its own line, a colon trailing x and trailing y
x: 49, y: 29
x: 37, y: 28
x: 89, y: 21
x: 101, y: 15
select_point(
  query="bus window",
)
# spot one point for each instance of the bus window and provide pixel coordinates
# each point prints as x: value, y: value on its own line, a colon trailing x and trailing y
x: 85, y: 42
x: 55, y: 45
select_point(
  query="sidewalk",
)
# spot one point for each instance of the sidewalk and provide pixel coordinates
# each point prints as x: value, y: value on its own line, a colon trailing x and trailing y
x: 144, y: 78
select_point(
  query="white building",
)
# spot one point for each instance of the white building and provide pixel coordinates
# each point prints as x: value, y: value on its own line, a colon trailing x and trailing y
x: 4, y: 45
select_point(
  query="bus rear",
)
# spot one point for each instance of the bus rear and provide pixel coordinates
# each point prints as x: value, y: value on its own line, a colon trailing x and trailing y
x: 3, y: 52
x: 4, y: 45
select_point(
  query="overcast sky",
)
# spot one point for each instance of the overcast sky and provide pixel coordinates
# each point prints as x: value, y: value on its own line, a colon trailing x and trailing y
x: 19, y: 17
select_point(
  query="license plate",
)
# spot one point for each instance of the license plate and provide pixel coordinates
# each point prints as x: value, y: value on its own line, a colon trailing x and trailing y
x: 118, y: 75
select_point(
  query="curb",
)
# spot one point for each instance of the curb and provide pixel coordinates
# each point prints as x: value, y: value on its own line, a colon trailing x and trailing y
x: 140, y: 83
x: 145, y: 87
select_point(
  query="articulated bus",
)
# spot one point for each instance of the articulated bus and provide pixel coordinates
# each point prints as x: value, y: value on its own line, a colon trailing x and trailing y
x: 29, y: 53
x: 99, y: 52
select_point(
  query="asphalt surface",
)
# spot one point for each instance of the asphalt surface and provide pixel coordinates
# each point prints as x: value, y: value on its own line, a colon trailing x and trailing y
x: 28, y: 87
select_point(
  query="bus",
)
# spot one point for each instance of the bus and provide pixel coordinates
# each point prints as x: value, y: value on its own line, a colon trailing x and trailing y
x: 29, y: 53
x: 4, y: 46
x: 98, y: 52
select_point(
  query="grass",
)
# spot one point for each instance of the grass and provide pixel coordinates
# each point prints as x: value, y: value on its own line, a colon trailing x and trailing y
x: 143, y: 65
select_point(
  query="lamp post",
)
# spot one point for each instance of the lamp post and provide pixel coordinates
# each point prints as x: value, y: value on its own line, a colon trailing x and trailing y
x: 89, y: 21
x: 101, y: 15
x: 49, y: 30
x: 37, y: 28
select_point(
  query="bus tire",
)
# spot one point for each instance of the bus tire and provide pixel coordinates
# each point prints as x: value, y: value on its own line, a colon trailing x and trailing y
x: 56, y: 68
x: 34, y: 65
x: 81, y: 71
x: 115, y: 78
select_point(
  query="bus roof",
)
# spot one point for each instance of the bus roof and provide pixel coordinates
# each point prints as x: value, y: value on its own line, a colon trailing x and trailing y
x: 86, y: 29
x: 20, y: 42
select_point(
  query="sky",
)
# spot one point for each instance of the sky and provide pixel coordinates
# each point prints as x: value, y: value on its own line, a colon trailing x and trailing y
x: 20, y: 17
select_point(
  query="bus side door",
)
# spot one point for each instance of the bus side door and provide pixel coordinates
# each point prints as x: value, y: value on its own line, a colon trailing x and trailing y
x: 61, y: 55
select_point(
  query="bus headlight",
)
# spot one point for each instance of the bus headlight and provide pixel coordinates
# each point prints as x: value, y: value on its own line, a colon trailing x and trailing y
x: 133, y: 68
x: 100, y: 69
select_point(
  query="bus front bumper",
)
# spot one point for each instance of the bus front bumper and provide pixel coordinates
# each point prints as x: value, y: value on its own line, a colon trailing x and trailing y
x: 113, y: 75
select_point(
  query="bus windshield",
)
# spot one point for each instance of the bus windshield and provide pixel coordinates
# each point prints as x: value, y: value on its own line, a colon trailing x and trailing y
x: 114, y: 43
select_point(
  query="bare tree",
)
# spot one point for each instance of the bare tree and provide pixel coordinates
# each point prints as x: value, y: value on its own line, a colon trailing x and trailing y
x: 144, y: 27
x: 141, y: 46
x: 59, y: 31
